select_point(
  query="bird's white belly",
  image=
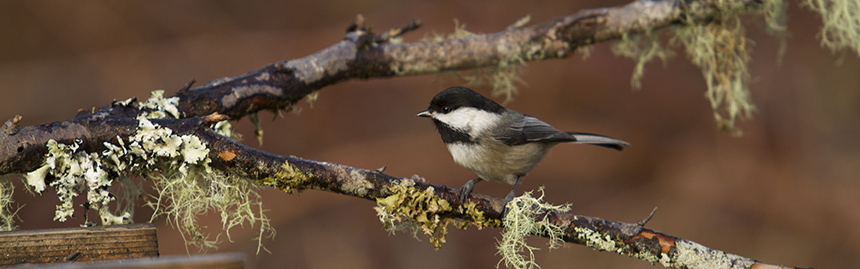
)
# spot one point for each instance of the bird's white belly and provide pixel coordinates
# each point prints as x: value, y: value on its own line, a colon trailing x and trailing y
x: 497, y: 162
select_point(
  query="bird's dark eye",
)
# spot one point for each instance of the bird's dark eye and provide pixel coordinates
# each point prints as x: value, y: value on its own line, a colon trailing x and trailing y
x: 446, y: 109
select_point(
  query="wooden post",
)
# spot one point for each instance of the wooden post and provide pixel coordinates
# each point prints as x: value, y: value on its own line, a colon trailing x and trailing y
x: 78, y: 244
x: 212, y: 261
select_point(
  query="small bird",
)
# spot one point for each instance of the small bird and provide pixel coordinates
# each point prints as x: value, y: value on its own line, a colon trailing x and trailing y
x: 497, y: 143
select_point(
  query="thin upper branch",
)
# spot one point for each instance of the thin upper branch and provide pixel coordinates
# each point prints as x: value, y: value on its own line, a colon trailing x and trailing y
x: 363, y: 55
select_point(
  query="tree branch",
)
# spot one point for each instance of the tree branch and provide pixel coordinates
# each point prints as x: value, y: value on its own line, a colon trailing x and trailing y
x: 364, y: 55
x: 291, y: 173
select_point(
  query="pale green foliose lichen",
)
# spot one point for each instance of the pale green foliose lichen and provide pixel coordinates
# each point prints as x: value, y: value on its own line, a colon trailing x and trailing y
x: 75, y: 170
x: 225, y: 128
x: 194, y: 151
x: 179, y: 165
x: 159, y: 107
x: 36, y: 178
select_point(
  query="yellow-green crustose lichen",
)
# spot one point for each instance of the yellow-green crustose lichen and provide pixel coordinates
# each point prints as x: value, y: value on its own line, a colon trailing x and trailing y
x: 423, y: 211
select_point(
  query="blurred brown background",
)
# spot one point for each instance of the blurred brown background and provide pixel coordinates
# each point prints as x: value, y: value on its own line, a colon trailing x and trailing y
x: 787, y: 192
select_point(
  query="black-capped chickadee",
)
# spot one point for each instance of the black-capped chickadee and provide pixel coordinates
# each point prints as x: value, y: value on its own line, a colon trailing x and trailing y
x: 497, y: 143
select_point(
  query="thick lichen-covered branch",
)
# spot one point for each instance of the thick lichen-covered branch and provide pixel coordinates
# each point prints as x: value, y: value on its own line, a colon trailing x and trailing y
x: 145, y: 142
x: 430, y: 208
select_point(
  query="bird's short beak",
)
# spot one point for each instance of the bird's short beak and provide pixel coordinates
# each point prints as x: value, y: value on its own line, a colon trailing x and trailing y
x: 424, y: 114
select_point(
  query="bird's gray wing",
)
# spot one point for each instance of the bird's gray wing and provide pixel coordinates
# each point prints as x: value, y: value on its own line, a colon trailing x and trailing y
x: 529, y: 129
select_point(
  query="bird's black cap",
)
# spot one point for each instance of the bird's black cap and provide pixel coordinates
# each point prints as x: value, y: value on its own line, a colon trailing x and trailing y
x: 455, y: 97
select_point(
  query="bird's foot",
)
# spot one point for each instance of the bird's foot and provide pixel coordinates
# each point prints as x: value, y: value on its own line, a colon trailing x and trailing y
x: 466, y: 190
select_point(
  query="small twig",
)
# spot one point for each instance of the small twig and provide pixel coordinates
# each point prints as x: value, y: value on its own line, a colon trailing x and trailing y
x: 11, y: 125
x: 397, y: 32
x: 188, y: 85
x: 520, y: 23
x: 358, y: 25
x: 258, y: 130
x: 215, y: 117
x: 648, y: 218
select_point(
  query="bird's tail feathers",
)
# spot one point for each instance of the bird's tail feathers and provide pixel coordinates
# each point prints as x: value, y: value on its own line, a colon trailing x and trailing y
x: 599, y: 140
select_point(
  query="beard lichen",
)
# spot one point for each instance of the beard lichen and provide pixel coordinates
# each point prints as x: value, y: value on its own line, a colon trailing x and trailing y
x: 7, y: 215
x: 718, y: 47
x: 502, y: 76
x: 459, y: 32
x: 841, y: 20
x: 519, y: 222
x: 721, y: 51
x: 641, y: 48
x: 195, y: 192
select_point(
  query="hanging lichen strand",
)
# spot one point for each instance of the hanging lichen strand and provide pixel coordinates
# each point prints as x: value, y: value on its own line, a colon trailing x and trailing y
x: 841, y: 27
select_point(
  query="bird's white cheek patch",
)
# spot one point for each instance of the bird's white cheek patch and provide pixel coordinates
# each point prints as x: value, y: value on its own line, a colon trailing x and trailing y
x: 470, y: 120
